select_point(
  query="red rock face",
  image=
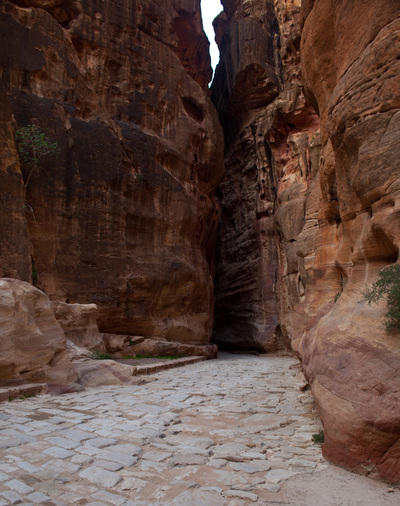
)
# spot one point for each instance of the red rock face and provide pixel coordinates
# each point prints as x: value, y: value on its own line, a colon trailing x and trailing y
x: 125, y: 217
x: 32, y: 345
x: 309, y: 217
x: 259, y: 97
x: 351, y: 72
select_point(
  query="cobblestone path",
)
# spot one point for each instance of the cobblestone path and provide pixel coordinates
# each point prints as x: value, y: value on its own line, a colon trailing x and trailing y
x: 233, y: 431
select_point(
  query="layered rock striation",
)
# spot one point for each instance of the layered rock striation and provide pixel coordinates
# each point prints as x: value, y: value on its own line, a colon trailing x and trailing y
x: 350, y: 61
x: 310, y: 206
x: 125, y: 218
x: 269, y: 146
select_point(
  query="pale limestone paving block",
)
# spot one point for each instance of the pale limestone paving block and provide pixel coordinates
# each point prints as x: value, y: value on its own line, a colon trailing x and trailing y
x: 12, y: 497
x: 4, y: 477
x: 156, y: 456
x: 101, y: 477
x: 302, y: 463
x: 199, y: 498
x: 271, y: 487
x: 81, y: 460
x: 217, y: 463
x: 278, y: 475
x: 19, y: 486
x: 191, y: 449
x: 246, y: 467
x: 187, y: 459
x: 109, y: 465
x: 4, y: 416
x: 149, y: 465
x: 7, y: 442
x: 103, y: 495
x: 9, y: 468
x: 26, y: 466
x: 58, y: 466
x: 68, y: 444
x: 133, y: 484
x: 58, y: 453
x: 130, y: 449
x: 248, y: 496
x: 76, y: 435
x: 100, y: 442
x: 38, y: 497
x: 119, y: 457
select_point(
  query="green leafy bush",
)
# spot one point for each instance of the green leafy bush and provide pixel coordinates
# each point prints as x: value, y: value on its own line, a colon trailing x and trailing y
x: 33, y: 146
x: 387, y: 286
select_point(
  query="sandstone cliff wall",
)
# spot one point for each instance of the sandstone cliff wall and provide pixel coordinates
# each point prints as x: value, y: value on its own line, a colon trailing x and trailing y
x: 125, y: 218
x: 309, y: 206
x: 271, y: 160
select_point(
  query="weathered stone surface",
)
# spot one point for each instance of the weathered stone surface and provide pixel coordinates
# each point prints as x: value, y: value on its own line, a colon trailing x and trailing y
x: 125, y: 218
x: 15, y: 246
x: 259, y: 97
x: 162, y: 347
x: 309, y: 217
x: 32, y: 344
x: 79, y: 322
x: 351, y: 72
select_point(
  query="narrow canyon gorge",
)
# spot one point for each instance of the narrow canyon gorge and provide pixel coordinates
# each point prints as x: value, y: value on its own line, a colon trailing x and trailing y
x: 179, y: 218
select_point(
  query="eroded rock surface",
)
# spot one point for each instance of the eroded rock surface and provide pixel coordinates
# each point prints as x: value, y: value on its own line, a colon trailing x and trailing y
x: 32, y: 344
x: 310, y: 206
x: 125, y: 218
x: 258, y: 93
x: 352, y: 362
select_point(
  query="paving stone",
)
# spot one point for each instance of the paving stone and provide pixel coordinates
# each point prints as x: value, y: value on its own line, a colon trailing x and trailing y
x: 12, y: 497
x: 157, y: 456
x: 68, y: 444
x: 18, y: 486
x: 82, y: 460
x: 101, y: 477
x: 59, y: 453
x: 100, y: 442
x: 198, y: 498
x: 133, y: 484
x: 38, y: 497
x: 4, y: 477
x: 103, y: 495
x: 130, y: 449
x: 109, y: 465
x: 278, y: 475
x: 242, y: 495
x: 26, y: 466
x: 188, y: 459
x: 189, y: 438
x: 7, y: 442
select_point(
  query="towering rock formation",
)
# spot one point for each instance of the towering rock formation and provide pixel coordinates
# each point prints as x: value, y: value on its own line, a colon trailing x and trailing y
x: 351, y: 71
x: 258, y: 93
x: 309, y: 217
x: 125, y: 218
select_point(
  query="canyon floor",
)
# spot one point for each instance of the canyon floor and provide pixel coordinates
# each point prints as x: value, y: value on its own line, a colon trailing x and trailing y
x: 236, y: 431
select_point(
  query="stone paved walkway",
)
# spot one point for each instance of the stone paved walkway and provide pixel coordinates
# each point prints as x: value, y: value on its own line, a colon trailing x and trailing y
x: 232, y: 431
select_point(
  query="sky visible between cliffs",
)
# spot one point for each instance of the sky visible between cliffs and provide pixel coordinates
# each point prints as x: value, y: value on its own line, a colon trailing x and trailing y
x: 209, y: 10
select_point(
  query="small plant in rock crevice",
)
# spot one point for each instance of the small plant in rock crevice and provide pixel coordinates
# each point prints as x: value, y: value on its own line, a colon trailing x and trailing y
x: 387, y: 286
x: 99, y: 355
x: 33, y: 146
x: 319, y: 437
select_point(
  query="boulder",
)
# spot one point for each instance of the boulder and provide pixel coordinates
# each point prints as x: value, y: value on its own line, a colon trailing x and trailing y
x: 32, y: 345
x: 79, y: 322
